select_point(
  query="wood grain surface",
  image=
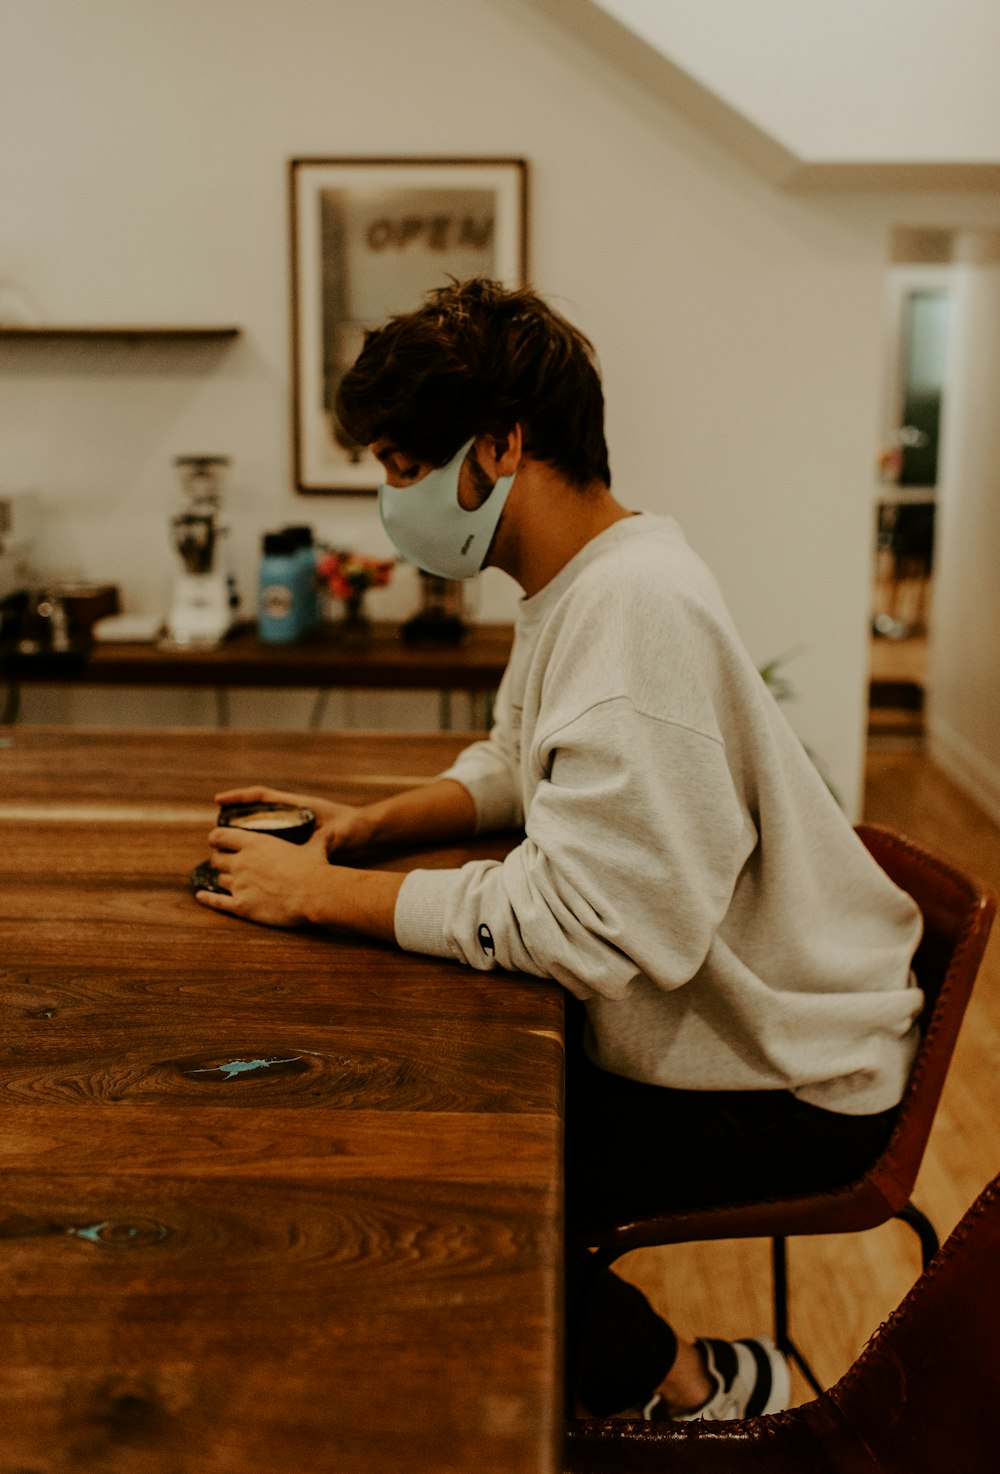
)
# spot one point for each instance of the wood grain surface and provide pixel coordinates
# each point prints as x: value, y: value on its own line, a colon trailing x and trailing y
x: 56, y: 765
x: 269, y: 1199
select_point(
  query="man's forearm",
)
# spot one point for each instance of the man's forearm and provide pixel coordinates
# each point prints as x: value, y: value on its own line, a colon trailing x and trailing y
x: 437, y: 811
x: 365, y: 900
x: 361, y: 900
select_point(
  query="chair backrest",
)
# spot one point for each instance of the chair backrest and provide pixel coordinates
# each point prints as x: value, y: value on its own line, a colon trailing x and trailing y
x: 921, y: 1398
x: 958, y: 914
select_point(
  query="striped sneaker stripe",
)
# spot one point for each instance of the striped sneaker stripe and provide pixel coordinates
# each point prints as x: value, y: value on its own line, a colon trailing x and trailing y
x: 761, y: 1394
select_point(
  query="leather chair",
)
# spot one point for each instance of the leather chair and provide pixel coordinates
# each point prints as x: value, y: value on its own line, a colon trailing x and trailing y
x: 957, y: 914
x: 920, y: 1399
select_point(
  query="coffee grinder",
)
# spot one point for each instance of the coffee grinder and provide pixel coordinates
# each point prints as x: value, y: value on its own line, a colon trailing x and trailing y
x: 205, y: 601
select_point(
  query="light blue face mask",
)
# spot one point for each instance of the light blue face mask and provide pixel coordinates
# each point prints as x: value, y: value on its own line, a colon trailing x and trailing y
x: 429, y: 527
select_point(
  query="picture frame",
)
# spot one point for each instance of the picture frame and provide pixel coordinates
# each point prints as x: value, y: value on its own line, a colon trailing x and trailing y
x: 369, y: 237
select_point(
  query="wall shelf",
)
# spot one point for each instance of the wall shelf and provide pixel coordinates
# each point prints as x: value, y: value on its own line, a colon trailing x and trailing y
x: 39, y: 333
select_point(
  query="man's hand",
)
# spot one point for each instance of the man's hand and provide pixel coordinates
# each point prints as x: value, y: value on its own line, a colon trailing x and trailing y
x: 268, y: 880
x: 281, y: 884
x: 342, y: 826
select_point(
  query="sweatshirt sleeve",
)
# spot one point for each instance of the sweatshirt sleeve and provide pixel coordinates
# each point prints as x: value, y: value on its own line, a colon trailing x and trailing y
x: 488, y: 769
x: 634, y: 842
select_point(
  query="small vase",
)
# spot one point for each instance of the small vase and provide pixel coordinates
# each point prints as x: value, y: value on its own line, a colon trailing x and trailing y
x: 355, y: 625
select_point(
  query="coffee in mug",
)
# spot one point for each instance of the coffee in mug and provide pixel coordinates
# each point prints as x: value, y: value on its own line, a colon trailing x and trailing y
x: 284, y: 821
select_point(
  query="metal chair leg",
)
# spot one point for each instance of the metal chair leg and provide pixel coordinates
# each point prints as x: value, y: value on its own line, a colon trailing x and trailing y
x: 782, y: 1338
x: 779, y: 1285
x: 924, y: 1229
x: 929, y: 1246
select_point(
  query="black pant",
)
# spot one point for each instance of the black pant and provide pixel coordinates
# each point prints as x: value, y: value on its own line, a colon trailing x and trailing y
x: 633, y: 1150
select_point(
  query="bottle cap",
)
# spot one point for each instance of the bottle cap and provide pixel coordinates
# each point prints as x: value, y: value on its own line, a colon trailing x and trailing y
x: 278, y: 544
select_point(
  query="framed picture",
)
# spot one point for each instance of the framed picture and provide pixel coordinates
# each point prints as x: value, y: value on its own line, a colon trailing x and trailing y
x: 369, y: 238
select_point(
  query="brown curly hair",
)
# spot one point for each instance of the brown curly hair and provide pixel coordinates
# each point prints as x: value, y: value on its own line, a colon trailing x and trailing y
x: 477, y: 359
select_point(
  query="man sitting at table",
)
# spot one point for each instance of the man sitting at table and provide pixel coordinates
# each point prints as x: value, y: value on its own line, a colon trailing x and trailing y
x: 742, y: 1009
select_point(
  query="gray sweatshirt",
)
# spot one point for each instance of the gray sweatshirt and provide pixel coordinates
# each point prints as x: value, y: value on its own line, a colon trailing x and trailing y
x: 685, y: 870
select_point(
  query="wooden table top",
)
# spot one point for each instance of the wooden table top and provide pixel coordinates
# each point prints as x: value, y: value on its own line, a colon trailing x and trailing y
x: 322, y: 658
x: 279, y: 1200
x: 124, y: 768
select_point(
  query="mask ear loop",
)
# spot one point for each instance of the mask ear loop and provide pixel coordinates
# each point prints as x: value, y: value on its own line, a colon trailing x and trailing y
x: 482, y: 487
x: 477, y: 470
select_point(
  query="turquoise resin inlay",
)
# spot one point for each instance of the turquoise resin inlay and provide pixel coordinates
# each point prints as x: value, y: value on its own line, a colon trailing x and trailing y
x: 110, y: 1235
x: 93, y: 1233
x: 243, y: 1066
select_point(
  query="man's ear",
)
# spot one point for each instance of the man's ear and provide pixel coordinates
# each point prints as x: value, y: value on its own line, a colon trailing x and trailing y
x: 502, y: 453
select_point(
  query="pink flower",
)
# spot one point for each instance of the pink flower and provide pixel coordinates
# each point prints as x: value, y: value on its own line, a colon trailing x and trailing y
x: 347, y: 574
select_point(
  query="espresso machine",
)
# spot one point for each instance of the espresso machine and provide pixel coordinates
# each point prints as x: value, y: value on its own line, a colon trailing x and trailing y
x: 205, y: 602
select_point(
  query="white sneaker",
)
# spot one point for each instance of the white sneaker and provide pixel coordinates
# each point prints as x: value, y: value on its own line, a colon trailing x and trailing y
x: 751, y: 1378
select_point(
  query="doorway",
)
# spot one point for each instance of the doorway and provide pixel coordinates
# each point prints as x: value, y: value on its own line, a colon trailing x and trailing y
x: 918, y: 303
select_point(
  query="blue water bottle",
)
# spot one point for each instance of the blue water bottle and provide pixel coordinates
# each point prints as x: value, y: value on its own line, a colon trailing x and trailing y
x: 281, y: 611
x: 303, y: 539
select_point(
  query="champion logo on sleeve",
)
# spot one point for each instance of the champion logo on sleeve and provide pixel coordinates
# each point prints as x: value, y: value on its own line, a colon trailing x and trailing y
x: 486, y: 941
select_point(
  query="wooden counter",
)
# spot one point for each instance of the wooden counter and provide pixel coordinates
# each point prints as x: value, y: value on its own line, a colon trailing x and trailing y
x: 324, y: 658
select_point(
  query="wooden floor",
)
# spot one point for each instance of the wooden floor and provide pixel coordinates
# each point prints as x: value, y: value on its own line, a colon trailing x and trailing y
x: 898, y: 665
x: 900, y: 660
x: 898, y: 671
x: 844, y: 1286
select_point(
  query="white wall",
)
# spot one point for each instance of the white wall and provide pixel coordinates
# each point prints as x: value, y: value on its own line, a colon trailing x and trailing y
x: 142, y: 175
